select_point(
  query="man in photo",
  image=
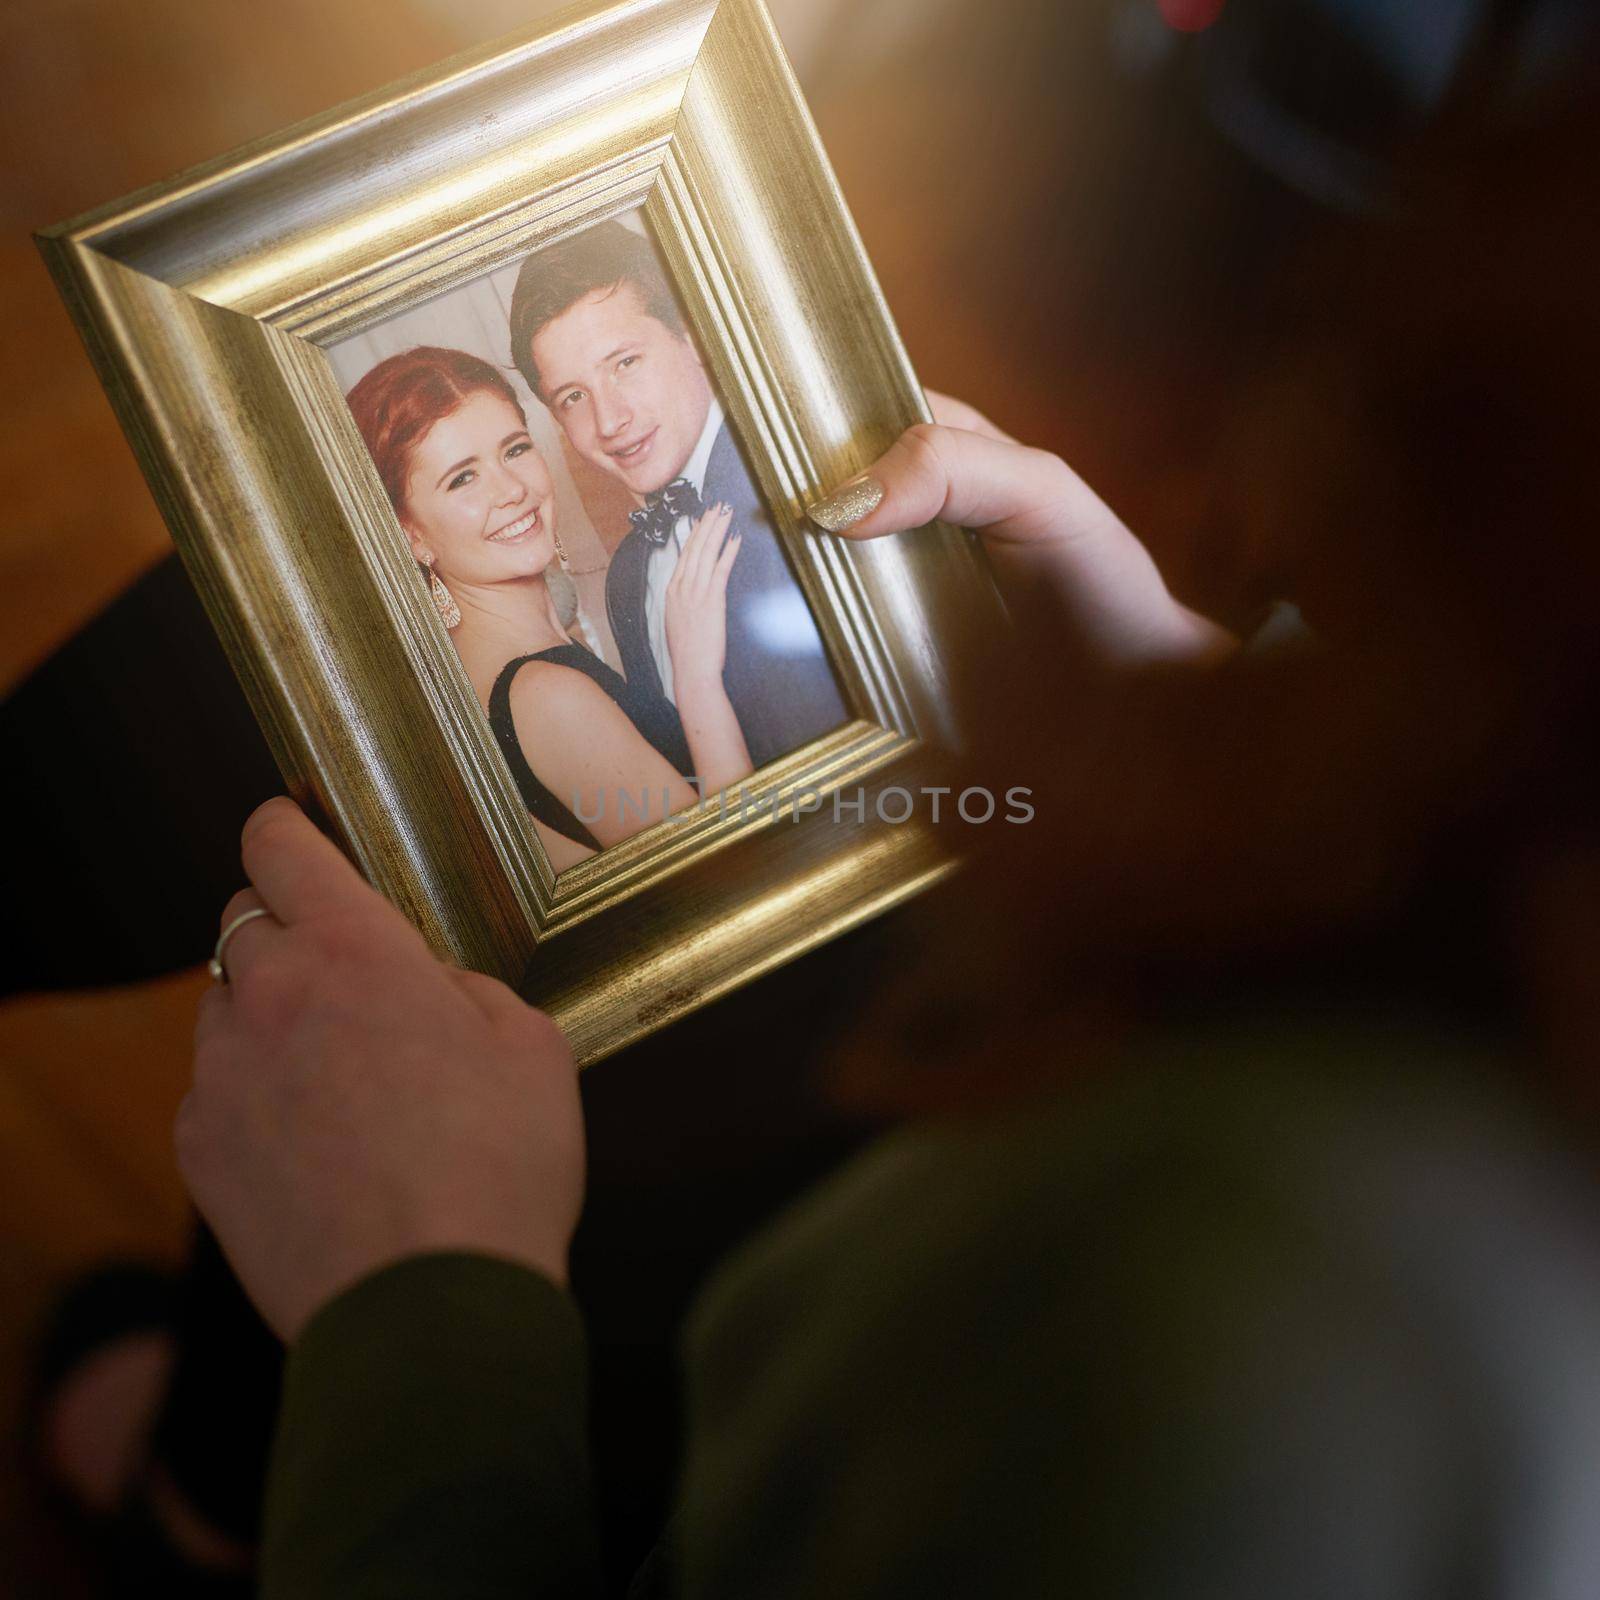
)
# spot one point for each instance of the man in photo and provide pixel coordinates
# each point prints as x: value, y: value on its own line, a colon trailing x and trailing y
x: 597, y: 333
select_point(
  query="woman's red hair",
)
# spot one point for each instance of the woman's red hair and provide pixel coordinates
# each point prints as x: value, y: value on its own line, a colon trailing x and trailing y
x: 403, y: 397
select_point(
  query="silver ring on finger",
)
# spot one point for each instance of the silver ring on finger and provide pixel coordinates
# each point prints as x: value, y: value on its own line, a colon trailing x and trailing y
x: 219, y: 973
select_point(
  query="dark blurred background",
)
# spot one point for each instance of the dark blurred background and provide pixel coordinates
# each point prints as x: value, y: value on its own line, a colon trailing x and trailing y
x: 1089, y: 217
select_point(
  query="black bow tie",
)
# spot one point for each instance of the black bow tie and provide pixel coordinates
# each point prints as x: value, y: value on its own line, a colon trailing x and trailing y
x: 662, y: 509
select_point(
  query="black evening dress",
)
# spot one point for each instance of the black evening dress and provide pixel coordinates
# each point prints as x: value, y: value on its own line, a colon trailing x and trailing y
x: 653, y: 715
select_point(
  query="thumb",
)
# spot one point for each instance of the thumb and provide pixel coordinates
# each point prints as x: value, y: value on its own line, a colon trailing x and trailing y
x: 1007, y: 491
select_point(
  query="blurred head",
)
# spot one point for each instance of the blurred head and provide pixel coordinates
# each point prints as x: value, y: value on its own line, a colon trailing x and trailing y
x: 596, y: 332
x: 451, y: 446
x: 1376, y: 825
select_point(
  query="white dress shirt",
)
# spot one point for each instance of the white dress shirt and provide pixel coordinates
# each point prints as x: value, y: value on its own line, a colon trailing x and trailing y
x: 663, y: 562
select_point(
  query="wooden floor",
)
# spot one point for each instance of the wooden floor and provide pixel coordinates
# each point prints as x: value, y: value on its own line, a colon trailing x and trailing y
x: 99, y: 96
x: 87, y: 1095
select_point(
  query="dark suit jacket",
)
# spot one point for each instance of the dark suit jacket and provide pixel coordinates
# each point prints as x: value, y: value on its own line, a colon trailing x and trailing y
x: 777, y: 675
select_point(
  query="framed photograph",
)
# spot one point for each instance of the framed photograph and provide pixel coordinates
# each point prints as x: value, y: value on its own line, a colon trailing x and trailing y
x: 484, y: 412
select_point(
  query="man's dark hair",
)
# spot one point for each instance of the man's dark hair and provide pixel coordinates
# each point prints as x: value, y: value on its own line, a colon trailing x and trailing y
x: 603, y: 257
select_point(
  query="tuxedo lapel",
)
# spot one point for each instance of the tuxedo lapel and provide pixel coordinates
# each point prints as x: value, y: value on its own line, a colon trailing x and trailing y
x: 625, y: 609
x: 783, y: 694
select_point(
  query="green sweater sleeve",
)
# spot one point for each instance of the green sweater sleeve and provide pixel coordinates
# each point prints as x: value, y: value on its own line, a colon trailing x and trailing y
x: 1139, y: 1343
x: 432, y: 1441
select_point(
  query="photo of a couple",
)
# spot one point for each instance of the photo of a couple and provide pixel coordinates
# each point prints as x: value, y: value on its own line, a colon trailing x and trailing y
x: 561, y: 467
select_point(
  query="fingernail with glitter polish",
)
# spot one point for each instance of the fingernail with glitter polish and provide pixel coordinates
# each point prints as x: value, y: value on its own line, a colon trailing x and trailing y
x: 845, y: 507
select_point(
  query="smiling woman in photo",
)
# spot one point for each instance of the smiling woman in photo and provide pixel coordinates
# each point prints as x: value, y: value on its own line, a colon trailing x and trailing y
x: 476, y: 502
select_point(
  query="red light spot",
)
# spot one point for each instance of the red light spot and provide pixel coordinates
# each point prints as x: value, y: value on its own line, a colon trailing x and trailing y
x: 1189, y: 16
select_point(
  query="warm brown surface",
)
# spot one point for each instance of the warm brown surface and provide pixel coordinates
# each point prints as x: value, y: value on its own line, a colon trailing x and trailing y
x: 87, y: 1094
x: 98, y: 97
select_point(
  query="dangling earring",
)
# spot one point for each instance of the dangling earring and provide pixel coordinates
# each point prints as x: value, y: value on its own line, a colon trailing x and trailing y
x: 561, y: 551
x: 444, y: 602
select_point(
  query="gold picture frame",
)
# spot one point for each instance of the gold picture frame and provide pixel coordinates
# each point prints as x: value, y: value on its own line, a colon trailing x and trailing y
x: 206, y: 302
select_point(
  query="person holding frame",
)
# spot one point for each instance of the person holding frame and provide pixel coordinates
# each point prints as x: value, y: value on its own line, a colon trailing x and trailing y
x: 516, y: 1106
x: 1224, y: 1158
x: 1228, y: 1155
